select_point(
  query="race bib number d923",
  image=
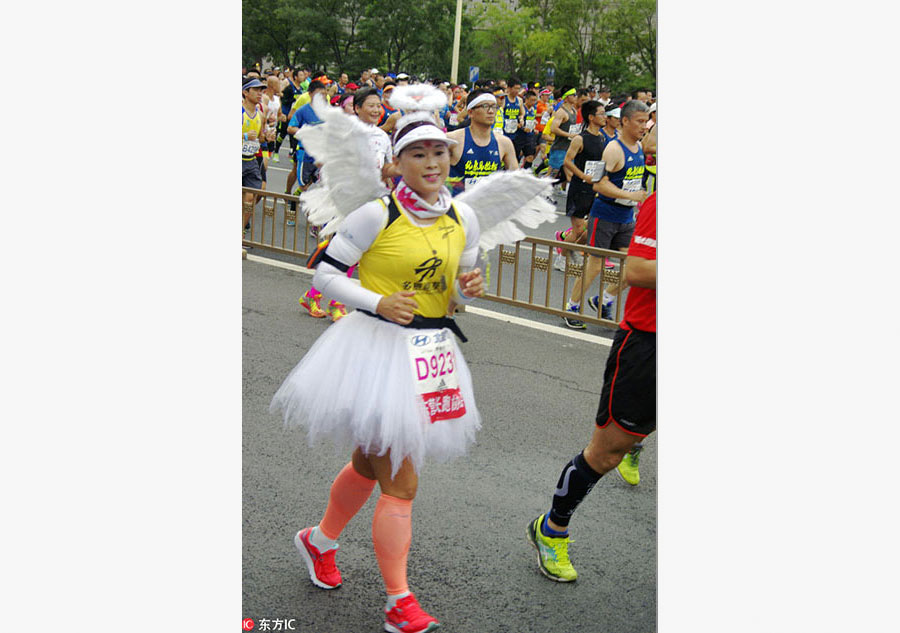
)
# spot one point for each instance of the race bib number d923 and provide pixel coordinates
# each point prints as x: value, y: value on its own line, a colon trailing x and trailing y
x: 433, y: 366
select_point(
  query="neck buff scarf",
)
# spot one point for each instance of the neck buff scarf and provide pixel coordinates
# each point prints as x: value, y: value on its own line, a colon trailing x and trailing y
x: 413, y: 203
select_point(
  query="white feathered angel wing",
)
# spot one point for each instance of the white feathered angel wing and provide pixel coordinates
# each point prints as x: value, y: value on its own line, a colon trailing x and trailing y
x: 349, y: 176
x: 505, y: 198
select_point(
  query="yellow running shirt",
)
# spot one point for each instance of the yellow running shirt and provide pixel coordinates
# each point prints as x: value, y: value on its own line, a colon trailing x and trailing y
x: 299, y: 102
x: 251, y: 123
x: 423, y: 259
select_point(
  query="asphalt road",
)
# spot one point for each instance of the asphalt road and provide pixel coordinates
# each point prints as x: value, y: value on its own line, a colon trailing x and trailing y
x: 469, y: 564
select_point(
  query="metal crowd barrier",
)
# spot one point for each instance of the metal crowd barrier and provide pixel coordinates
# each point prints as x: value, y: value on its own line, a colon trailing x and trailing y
x: 269, y: 230
x: 543, y: 279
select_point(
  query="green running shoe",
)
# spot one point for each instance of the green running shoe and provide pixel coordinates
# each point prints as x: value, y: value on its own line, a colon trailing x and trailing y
x: 628, y: 467
x: 553, y: 553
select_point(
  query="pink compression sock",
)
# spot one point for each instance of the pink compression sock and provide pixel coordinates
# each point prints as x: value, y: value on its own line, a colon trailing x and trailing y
x: 349, y: 493
x: 391, y: 535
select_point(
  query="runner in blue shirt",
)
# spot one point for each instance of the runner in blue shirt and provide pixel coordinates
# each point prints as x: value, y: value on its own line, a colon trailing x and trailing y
x: 306, y: 171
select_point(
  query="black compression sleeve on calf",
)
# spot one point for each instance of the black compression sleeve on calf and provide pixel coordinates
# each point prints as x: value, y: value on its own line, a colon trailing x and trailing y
x: 575, y: 482
x: 282, y: 134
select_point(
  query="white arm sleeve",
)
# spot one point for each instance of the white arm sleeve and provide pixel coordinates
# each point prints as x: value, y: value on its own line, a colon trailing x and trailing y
x: 469, y: 256
x: 355, y: 236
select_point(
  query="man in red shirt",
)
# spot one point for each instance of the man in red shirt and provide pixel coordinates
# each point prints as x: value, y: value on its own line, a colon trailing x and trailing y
x: 627, y: 411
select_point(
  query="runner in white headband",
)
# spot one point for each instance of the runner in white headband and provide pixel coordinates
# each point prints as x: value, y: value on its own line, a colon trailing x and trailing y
x: 481, y: 99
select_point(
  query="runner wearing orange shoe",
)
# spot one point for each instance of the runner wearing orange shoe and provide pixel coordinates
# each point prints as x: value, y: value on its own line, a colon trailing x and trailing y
x: 416, y: 249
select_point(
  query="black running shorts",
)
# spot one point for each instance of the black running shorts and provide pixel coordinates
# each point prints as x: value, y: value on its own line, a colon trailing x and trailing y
x: 530, y: 147
x: 518, y: 141
x: 308, y: 173
x: 262, y: 167
x: 628, y: 398
x: 612, y: 235
x: 578, y: 201
x: 250, y: 174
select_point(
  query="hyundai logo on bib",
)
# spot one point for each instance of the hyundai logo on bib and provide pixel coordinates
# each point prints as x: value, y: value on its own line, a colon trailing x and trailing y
x: 419, y: 341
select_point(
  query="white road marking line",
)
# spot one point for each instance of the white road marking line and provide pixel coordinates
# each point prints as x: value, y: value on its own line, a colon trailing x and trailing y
x: 581, y: 336
x: 280, y: 264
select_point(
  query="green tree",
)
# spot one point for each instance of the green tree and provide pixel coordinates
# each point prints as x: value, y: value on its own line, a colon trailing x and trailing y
x: 516, y: 43
x: 322, y: 34
x: 411, y: 36
x: 437, y: 57
x: 633, y: 34
x: 607, y: 41
x: 340, y: 30
x: 579, y: 24
x: 611, y: 69
x: 269, y: 30
x: 585, y: 41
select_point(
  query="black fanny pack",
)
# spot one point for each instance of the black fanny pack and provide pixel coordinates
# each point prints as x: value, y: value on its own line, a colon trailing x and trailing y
x: 425, y: 323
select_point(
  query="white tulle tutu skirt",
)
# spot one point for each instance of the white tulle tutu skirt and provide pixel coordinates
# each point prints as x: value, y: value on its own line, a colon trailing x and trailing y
x: 356, y: 386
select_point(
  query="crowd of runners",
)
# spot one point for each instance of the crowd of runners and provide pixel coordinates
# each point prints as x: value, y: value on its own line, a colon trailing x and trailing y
x: 598, y: 150
x: 560, y: 132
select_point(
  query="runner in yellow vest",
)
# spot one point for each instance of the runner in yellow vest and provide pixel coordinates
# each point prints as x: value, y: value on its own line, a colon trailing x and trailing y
x: 252, y: 121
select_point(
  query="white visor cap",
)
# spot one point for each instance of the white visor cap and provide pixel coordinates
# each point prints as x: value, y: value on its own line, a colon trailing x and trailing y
x: 416, y: 130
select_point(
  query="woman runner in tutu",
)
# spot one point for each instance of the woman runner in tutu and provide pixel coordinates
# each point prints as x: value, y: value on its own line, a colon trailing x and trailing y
x: 402, y: 390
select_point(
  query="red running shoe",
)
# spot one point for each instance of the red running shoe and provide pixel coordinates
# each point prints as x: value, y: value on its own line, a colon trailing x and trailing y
x: 322, y: 570
x: 408, y: 617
